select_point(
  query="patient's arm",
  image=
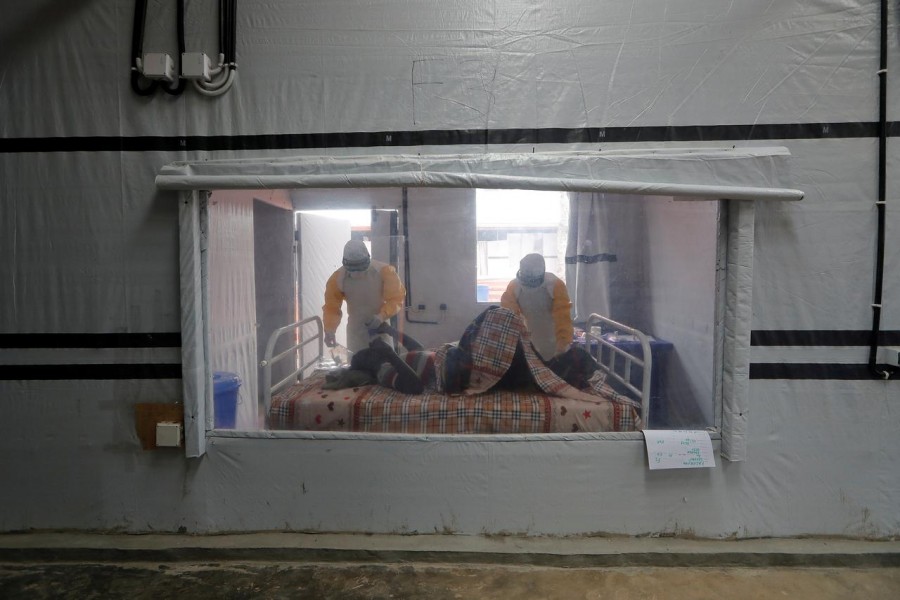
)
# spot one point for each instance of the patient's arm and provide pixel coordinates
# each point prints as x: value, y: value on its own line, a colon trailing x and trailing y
x: 406, y: 341
x: 407, y: 381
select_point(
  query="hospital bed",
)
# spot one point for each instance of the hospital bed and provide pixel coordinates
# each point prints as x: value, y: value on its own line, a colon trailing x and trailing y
x: 619, y: 394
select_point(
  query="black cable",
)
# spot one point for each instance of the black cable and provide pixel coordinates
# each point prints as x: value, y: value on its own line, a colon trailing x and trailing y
x: 232, y: 38
x: 137, y: 49
x: 880, y: 372
x: 227, y: 32
x: 137, y: 30
x: 395, y: 258
x: 406, y: 274
x: 136, y: 86
x: 223, y: 10
x: 404, y: 207
x: 179, y: 88
x: 228, y: 23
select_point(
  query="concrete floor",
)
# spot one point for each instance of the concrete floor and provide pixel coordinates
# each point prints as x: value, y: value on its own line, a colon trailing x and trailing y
x: 273, y: 565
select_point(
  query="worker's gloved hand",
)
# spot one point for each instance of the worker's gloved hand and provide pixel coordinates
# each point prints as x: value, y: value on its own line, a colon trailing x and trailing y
x: 374, y: 322
x: 329, y: 339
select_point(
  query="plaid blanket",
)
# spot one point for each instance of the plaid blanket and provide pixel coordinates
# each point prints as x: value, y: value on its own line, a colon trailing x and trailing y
x: 485, y: 353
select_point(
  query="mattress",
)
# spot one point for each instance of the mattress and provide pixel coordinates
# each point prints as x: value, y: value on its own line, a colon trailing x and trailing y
x: 306, y: 406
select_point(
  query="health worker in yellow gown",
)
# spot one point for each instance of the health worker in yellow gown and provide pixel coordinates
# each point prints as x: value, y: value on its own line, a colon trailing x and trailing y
x: 543, y: 300
x: 373, y: 292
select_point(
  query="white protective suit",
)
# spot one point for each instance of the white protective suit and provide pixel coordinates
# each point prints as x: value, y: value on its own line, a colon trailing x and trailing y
x: 545, y: 306
x: 375, y: 291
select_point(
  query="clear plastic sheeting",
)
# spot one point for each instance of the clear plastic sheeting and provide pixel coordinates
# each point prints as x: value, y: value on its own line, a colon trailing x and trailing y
x: 735, y: 174
x: 708, y: 174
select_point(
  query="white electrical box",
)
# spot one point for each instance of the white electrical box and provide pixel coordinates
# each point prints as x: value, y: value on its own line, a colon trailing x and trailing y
x: 168, y: 434
x: 158, y: 65
x: 889, y: 355
x: 195, y: 65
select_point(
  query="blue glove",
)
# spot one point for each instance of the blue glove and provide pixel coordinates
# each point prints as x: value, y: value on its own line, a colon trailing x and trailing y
x: 329, y: 339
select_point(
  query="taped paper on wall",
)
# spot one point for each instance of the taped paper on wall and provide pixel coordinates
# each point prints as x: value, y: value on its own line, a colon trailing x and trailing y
x: 678, y: 449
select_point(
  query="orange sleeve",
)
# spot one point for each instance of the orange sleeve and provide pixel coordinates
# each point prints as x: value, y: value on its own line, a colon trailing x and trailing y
x: 334, y: 299
x: 392, y: 292
x: 508, y: 299
x: 562, y: 316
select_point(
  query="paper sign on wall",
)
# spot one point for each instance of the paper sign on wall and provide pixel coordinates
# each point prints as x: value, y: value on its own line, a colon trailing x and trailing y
x: 678, y: 449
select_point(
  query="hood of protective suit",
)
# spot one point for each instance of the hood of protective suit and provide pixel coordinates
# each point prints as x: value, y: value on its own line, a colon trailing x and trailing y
x: 531, y: 270
x: 356, y: 256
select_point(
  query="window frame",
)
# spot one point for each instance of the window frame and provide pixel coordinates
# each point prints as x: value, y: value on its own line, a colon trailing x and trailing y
x: 521, y: 229
x: 717, y: 180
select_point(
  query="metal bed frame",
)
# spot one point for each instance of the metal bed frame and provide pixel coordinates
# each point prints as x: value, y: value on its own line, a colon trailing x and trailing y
x: 619, y: 363
x: 295, y: 352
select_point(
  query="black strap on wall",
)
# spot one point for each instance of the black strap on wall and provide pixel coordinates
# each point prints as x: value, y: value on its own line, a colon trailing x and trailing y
x: 446, y: 137
x: 880, y: 371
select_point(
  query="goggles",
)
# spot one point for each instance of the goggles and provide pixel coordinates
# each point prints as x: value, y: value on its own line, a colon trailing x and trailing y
x: 530, y: 280
x: 357, y: 265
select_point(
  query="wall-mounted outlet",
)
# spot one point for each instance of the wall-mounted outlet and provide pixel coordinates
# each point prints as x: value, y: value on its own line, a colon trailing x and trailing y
x: 443, y: 306
x: 421, y: 307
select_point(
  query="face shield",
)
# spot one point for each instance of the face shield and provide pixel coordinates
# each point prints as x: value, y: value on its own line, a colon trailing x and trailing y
x: 530, y: 280
x: 357, y: 265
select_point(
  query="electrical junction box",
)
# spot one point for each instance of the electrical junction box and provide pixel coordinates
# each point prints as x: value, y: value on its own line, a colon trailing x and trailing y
x: 195, y: 65
x: 889, y: 355
x: 158, y: 65
x: 168, y: 434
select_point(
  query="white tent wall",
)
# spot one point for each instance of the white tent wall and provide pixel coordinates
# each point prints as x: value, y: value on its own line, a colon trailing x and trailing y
x: 90, y: 258
x: 442, y: 265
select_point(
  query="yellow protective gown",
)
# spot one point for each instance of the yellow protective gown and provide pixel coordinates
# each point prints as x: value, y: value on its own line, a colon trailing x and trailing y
x: 375, y: 291
x: 547, y: 312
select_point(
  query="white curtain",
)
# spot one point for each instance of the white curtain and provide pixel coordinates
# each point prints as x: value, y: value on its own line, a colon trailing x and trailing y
x: 232, y: 298
x: 605, y: 262
x: 588, y: 256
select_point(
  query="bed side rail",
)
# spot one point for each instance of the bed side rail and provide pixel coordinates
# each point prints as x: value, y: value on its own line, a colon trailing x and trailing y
x: 617, y: 362
x: 295, y: 352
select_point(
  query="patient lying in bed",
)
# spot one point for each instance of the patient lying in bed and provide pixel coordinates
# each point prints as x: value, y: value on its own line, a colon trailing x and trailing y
x: 495, y: 346
x: 410, y: 373
x: 490, y: 381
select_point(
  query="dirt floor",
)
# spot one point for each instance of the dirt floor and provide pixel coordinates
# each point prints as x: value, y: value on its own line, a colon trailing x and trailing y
x: 435, y: 581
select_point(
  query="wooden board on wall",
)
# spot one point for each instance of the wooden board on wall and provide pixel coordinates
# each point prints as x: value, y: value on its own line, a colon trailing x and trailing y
x: 148, y: 414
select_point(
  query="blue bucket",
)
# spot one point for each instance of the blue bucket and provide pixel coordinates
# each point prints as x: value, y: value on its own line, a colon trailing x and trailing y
x: 225, y: 398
